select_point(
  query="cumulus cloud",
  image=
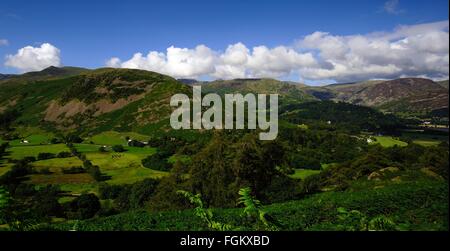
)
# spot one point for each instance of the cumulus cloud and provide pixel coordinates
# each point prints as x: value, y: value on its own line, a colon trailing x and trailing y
x: 177, y: 62
x: 237, y: 61
x: 416, y: 50
x: 3, y: 42
x: 31, y: 58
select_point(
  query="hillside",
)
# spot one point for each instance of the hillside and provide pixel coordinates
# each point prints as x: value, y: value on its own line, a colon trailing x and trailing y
x: 47, y: 73
x: 289, y: 92
x: 444, y: 84
x: 98, y: 145
x: 102, y: 99
x: 318, y: 212
x: 411, y: 95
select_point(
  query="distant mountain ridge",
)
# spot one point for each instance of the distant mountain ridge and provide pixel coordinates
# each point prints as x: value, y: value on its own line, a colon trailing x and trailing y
x: 138, y: 100
x: 399, y: 95
x: 47, y: 73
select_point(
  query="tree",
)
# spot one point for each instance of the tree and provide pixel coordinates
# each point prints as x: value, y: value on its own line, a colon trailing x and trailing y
x: 118, y: 148
x: 157, y: 161
x: 95, y: 172
x: 43, y: 156
x: 228, y: 163
x: 64, y: 155
x: 85, y: 206
x: 73, y: 138
x: 135, y: 143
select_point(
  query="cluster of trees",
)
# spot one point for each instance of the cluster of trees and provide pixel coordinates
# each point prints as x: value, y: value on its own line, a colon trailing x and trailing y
x: 7, y: 118
x: 118, y: 148
x: 226, y: 164
x: 309, y: 148
x: 32, y: 204
x: 129, y: 197
x: 72, y: 138
x: 167, y: 146
x: 342, y: 116
x: 44, y: 156
x: 410, y: 158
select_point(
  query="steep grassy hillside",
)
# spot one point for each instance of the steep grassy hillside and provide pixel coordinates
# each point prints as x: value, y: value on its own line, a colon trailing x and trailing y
x: 101, y: 100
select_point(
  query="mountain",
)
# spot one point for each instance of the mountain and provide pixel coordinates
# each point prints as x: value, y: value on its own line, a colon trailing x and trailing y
x: 189, y: 81
x: 71, y: 98
x: 102, y: 99
x: 5, y: 76
x: 47, y: 73
x: 290, y: 92
x: 53, y: 71
x: 404, y: 95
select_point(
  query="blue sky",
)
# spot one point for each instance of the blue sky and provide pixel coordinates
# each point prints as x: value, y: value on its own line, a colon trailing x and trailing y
x: 88, y: 33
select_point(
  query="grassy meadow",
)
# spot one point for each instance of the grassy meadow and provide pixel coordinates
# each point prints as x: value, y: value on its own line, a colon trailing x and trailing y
x: 121, y: 168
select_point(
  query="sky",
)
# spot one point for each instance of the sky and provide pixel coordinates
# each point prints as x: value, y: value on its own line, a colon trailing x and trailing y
x: 314, y: 42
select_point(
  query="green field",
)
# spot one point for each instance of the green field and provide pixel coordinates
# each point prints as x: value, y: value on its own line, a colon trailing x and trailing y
x: 121, y: 168
x: 427, y: 142
x: 116, y: 138
x: 388, y: 141
x: 425, y: 139
x: 85, y: 148
x: 303, y: 173
x: 125, y: 167
x: 19, y: 152
x: 57, y: 164
x: 35, y: 139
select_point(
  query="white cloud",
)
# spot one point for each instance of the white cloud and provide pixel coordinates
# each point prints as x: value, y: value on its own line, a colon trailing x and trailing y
x: 391, y: 7
x: 3, y: 42
x: 34, y: 58
x: 177, y: 62
x: 418, y: 50
x: 237, y: 61
x: 113, y: 62
x: 415, y: 50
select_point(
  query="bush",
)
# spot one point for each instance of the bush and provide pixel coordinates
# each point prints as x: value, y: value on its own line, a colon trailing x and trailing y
x: 136, y: 143
x: 110, y: 191
x: 55, y: 141
x: 85, y: 206
x: 118, y: 148
x: 95, y: 172
x: 64, y: 155
x: 87, y: 164
x: 29, y: 159
x: 43, y: 156
x: 157, y: 161
x: 133, y: 196
x: 73, y: 138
